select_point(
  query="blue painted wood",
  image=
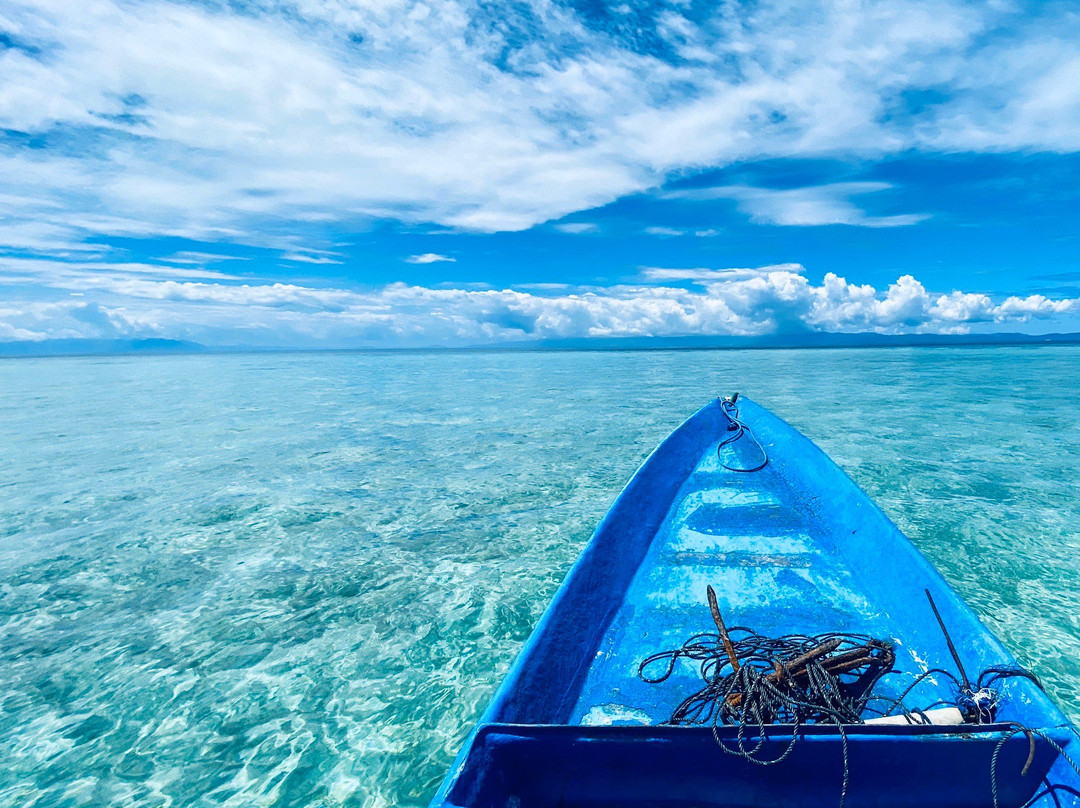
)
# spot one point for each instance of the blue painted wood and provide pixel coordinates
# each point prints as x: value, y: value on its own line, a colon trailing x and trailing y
x: 796, y: 547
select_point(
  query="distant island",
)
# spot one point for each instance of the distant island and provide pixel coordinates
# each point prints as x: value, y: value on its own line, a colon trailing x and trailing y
x: 811, y: 339
x: 98, y: 347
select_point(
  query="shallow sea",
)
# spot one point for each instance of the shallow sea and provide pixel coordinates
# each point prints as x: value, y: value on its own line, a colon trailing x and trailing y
x: 296, y: 579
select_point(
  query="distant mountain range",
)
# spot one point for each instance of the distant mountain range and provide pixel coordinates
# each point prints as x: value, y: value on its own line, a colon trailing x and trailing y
x: 98, y: 347
x: 815, y: 339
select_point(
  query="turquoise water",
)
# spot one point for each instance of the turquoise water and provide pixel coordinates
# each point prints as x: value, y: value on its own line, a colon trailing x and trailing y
x: 295, y: 580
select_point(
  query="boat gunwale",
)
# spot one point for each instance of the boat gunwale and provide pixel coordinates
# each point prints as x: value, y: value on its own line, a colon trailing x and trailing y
x: 611, y: 518
x: 750, y: 734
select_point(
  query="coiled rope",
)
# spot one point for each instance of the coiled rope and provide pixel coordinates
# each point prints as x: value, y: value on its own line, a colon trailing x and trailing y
x: 756, y: 681
x: 795, y: 679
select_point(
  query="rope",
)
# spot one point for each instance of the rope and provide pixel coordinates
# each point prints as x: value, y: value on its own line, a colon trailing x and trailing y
x: 775, y: 682
x: 752, y: 681
x: 738, y: 429
x: 1031, y: 734
x: 756, y: 681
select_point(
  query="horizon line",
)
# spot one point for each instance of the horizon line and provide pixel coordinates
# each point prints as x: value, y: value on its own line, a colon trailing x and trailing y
x: 823, y: 340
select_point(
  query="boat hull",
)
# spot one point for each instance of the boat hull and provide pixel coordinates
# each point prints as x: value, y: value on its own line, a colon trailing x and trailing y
x: 671, y: 767
x: 795, y: 547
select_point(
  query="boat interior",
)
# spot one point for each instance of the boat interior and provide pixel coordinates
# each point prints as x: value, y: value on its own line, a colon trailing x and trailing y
x: 794, y: 547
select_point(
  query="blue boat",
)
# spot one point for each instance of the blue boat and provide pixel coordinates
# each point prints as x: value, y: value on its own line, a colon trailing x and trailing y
x: 737, y: 501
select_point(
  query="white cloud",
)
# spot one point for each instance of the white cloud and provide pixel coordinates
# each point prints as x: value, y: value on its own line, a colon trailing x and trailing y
x: 428, y: 258
x: 209, y: 120
x: 202, y: 258
x: 310, y: 258
x: 675, y: 231
x: 577, y: 227
x: 744, y: 301
x: 47, y: 271
x: 811, y: 205
x: 702, y: 274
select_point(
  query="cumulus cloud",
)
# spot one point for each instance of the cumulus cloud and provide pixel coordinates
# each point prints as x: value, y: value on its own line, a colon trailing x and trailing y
x: 743, y: 301
x: 207, y: 120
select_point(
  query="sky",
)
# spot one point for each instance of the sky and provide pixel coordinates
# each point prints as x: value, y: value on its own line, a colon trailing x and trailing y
x: 385, y: 173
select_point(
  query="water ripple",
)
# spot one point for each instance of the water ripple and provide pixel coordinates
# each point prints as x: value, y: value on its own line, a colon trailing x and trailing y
x: 295, y: 580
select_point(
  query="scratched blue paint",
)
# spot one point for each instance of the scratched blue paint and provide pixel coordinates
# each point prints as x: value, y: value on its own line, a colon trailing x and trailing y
x: 794, y: 547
